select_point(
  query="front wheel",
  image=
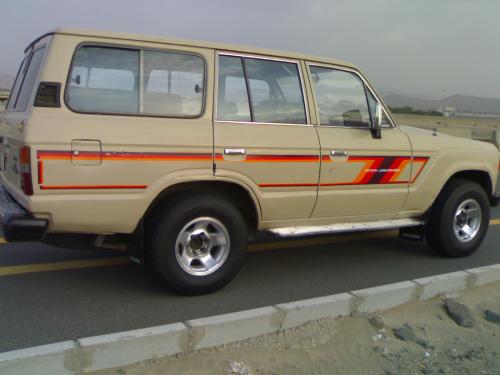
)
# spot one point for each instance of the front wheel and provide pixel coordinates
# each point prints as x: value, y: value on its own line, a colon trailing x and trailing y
x: 198, y: 243
x: 459, y: 219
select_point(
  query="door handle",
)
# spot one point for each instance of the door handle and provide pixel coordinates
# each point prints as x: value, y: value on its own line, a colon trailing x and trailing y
x: 234, y: 151
x: 336, y: 153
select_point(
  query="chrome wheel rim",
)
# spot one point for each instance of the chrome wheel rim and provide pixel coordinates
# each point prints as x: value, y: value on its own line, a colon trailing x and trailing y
x: 467, y: 221
x: 202, y: 246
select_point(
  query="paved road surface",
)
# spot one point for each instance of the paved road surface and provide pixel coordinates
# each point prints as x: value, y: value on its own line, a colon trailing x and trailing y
x: 44, y: 307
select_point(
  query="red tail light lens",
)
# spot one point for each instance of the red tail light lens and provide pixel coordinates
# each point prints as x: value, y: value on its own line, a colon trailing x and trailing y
x: 25, y: 170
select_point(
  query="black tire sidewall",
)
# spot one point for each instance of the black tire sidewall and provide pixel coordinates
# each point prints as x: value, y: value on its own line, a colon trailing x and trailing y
x: 171, y: 222
x: 451, y: 246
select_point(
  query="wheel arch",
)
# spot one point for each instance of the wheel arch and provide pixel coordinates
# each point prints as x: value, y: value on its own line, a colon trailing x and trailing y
x: 482, y: 178
x: 242, y: 196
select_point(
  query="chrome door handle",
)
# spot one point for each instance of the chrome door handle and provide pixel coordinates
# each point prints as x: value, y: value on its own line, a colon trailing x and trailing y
x: 234, y: 151
x: 338, y: 153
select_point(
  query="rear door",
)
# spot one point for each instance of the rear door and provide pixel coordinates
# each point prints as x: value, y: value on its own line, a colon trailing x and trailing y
x: 361, y: 177
x: 262, y: 135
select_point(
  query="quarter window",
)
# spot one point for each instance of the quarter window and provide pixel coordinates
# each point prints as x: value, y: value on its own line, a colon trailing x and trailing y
x: 110, y: 80
x: 105, y: 80
x: 340, y: 97
x: 271, y: 90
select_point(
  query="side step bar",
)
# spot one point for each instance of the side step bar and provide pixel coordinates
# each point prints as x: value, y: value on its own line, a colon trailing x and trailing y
x: 345, y: 227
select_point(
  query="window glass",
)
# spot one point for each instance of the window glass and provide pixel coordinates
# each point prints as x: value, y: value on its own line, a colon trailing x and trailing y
x: 104, y: 80
x: 232, y: 102
x: 30, y: 76
x: 372, y: 102
x: 273, y: 102
x: 340, y: 97
x: 17, y: 84
x: 173, y: 84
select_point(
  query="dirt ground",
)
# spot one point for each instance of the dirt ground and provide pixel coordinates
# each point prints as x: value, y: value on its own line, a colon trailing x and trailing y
x: 353, y: 345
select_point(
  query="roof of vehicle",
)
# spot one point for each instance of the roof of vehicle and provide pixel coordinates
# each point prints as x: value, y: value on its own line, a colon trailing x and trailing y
x: 202, y: 44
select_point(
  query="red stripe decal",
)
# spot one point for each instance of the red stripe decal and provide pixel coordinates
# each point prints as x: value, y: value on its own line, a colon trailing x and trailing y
x: 40, y: 172
x: 288, y: 185
x: 83, y: 187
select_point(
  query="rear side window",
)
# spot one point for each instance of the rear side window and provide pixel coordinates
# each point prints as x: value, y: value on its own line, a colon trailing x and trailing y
x: 173, y: 84
x: 17, y: 84
x: 341, y: 98
x: 25, y: 81
x: 270, y: 89
x: 105, y: 80
x: 127, y: 81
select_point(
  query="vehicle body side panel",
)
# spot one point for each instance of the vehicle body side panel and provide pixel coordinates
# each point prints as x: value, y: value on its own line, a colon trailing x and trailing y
x: 447, y: 156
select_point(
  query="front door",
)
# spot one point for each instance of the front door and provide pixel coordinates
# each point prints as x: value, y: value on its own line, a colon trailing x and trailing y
x: 262, y: 136
x: 361, y: 177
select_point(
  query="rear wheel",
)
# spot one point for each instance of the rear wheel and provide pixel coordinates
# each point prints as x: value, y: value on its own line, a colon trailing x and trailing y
x: 459, y: 219
x: 198, y: 243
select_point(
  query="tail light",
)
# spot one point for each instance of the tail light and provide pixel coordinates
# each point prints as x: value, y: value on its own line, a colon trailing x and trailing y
x: 25, y: 170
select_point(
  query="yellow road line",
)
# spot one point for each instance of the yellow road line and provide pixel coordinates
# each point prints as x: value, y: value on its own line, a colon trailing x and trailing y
x: 57, y: 266
x: 114, y: 261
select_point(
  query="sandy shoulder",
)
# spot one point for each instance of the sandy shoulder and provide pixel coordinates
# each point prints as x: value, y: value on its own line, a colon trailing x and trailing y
x: 353, y: 345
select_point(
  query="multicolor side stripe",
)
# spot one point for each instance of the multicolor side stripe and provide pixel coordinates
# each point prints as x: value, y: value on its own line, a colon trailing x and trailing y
x: 44, y: 155
x: 373, y: 170
x: 378, y: 170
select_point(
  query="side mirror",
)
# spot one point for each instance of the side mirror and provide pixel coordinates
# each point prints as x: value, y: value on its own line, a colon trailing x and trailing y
x: 377, y: 124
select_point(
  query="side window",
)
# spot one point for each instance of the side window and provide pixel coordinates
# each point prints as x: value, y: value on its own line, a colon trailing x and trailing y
x: 109, y: 80
x: 269, y: 98
x: 372, y: 102
x: 17, y: 84
x: 341, y: 98
x: 28, y: 81
x: 273, y: 86
x: 173, y: 84
x: 104, y: 80
x: 232, y: 99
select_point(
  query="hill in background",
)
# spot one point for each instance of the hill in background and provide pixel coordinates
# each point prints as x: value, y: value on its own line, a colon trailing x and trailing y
x: 460, y: 103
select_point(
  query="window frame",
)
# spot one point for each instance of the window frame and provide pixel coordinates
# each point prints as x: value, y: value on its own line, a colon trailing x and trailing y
x: 366, y: 87
x: 140, y: 50
x: 28, y: 58
x: 259, y: 57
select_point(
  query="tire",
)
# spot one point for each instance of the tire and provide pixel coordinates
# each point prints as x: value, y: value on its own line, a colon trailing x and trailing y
x: 211, y: 250
x: 459, y: 219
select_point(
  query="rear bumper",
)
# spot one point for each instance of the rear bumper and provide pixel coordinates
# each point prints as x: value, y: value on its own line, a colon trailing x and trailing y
x: 18, y: 224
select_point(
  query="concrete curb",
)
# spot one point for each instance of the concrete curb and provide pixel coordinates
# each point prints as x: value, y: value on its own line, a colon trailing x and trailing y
x: 124, y: 348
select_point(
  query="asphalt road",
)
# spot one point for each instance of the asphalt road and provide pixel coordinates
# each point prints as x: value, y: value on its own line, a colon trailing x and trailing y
x: 44, y: 307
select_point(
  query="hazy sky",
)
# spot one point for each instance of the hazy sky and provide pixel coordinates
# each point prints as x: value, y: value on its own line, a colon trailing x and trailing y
x: 427, y: 47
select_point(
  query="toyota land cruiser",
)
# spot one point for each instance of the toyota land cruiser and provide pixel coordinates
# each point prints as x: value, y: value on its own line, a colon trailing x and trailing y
x: 185, y: 148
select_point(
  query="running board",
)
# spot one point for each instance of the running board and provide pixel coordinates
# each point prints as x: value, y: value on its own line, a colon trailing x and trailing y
x: 344, y: 227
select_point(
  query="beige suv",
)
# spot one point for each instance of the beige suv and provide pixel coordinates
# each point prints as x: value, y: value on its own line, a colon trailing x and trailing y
x: 183, y: 148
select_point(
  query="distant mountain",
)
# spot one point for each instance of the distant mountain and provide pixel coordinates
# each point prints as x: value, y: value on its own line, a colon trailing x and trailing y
x: 461, y: 103
x: 6, y: 81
